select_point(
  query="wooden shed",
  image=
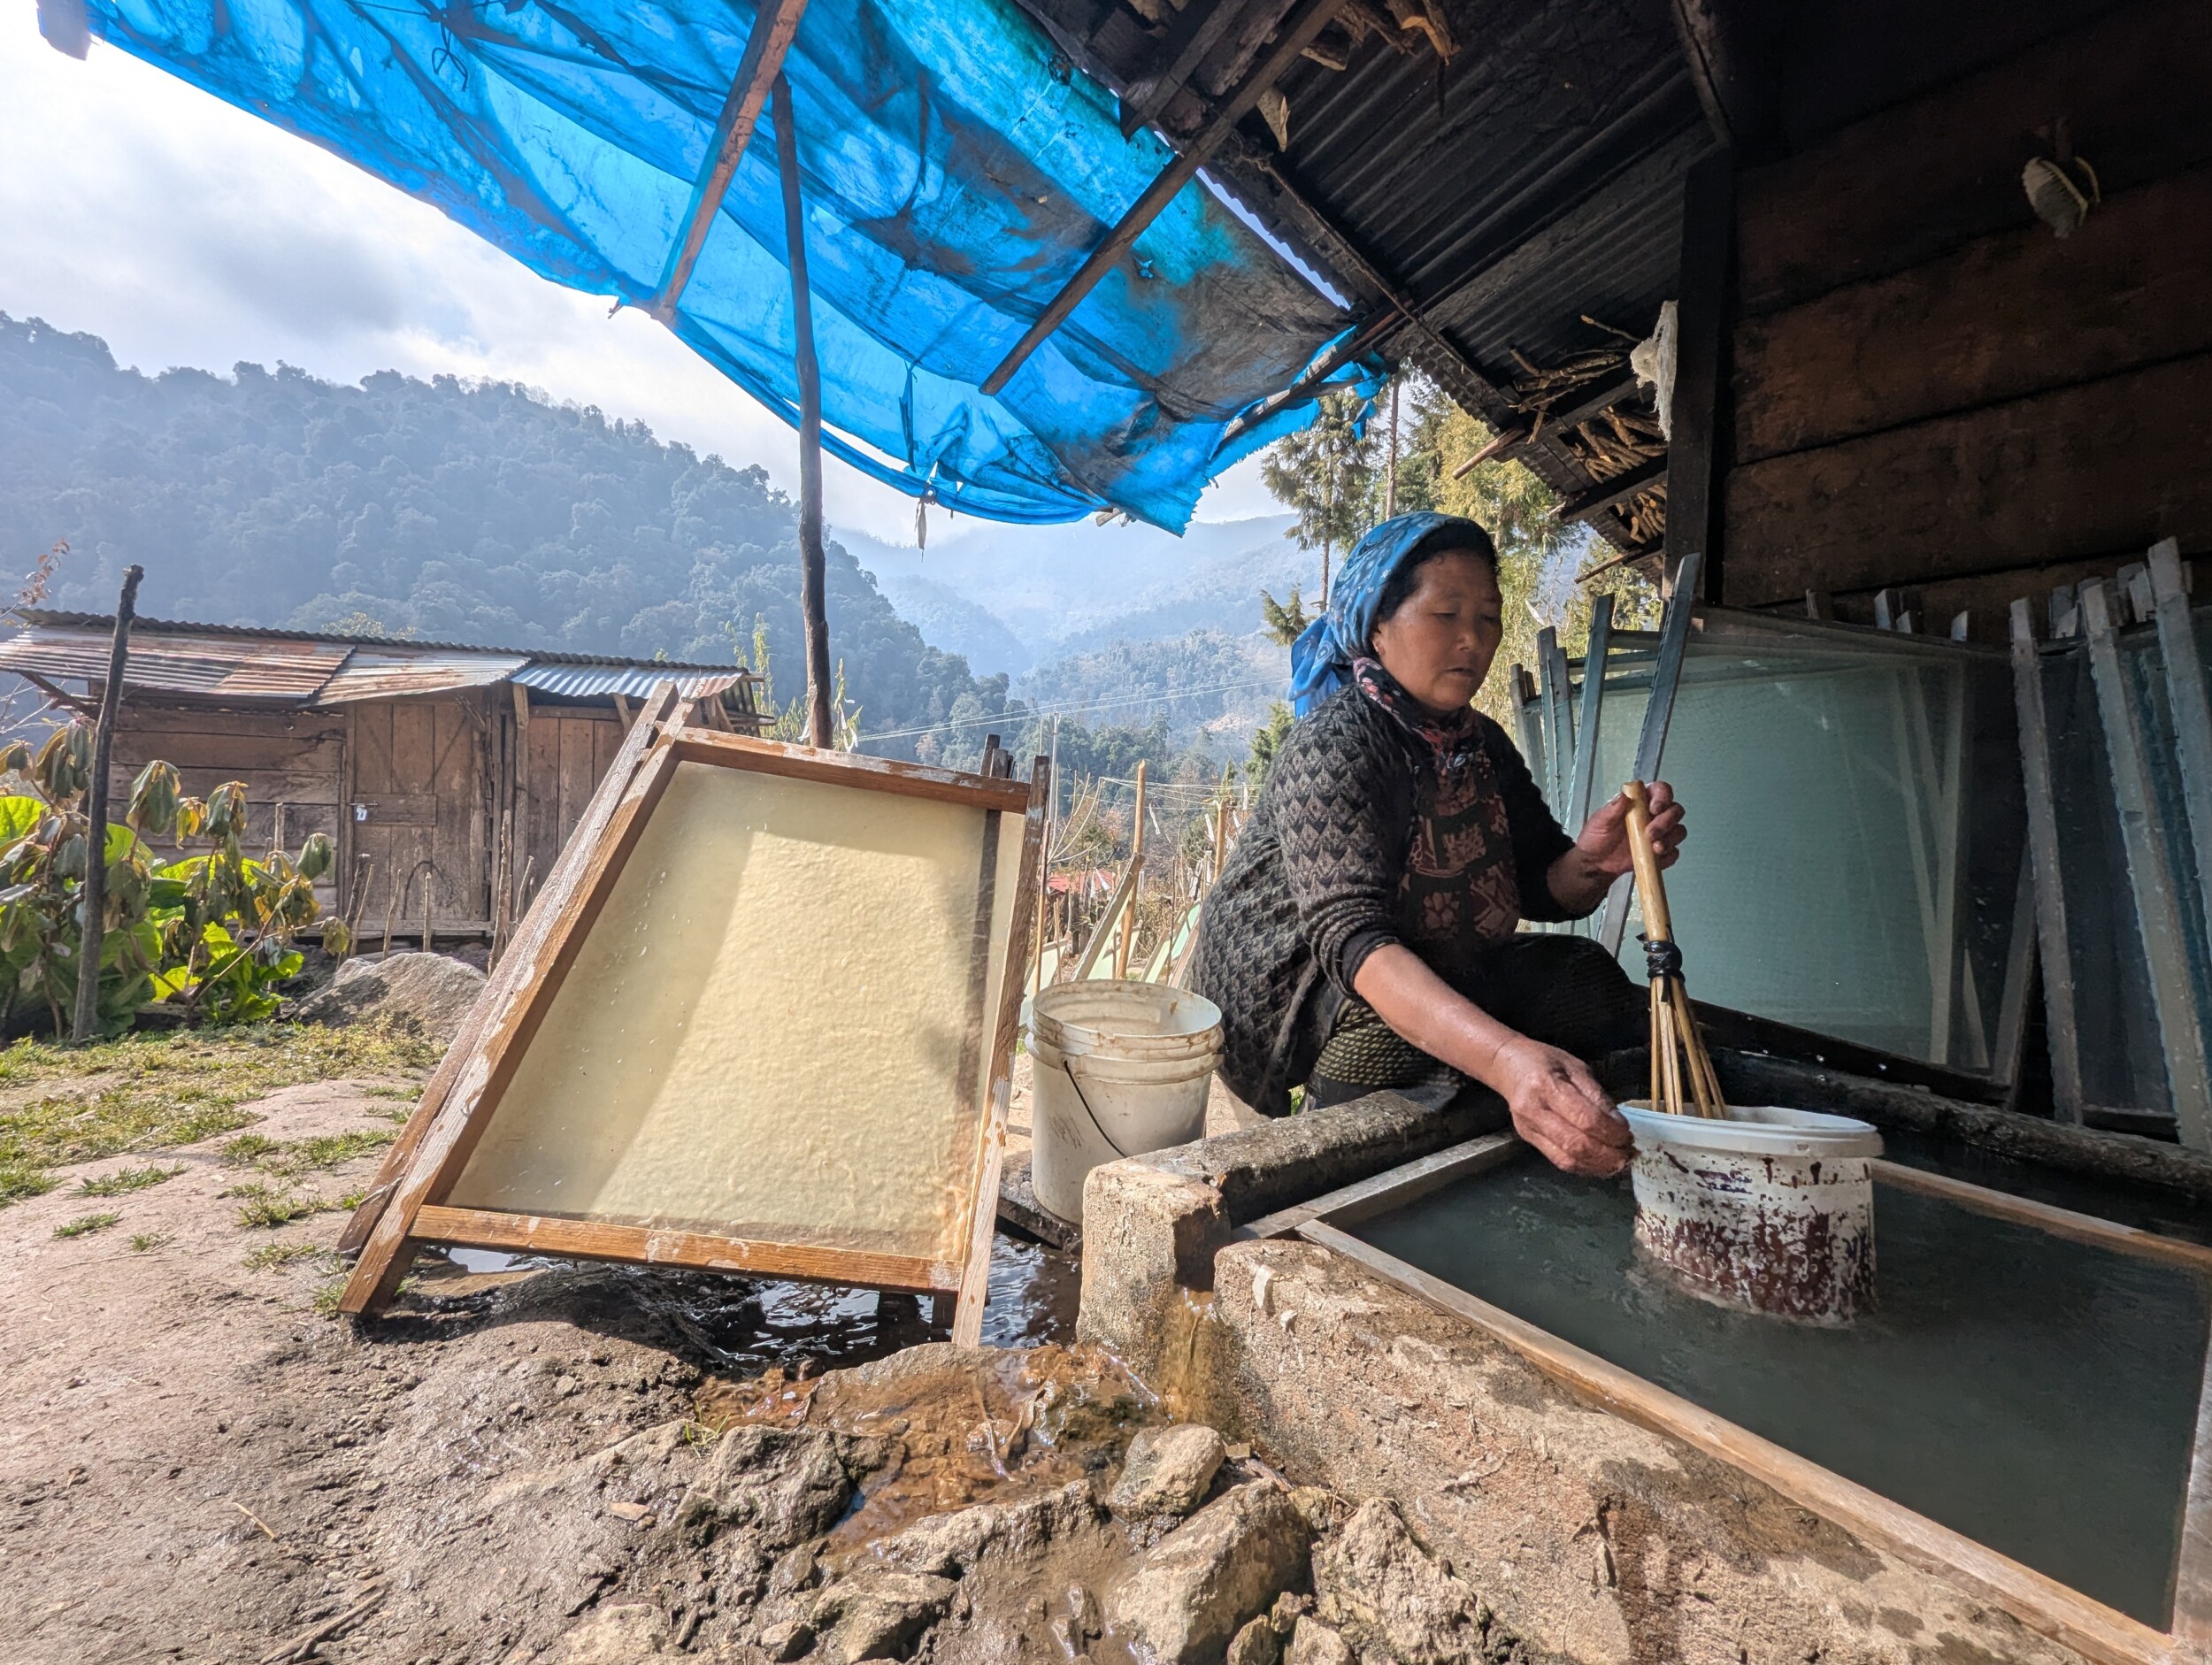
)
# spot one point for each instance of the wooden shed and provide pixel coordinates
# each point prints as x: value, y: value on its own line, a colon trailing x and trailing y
x: 449, y: 776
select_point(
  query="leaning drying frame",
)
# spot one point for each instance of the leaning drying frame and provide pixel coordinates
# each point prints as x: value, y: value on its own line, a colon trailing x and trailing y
x: 2039, y: 1601
x: 408, y: 1210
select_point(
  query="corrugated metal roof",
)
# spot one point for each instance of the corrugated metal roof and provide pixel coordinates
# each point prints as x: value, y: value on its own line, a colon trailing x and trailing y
x: 384, y: 674
x: 276, y: 672
x: 105, y: 622
x: 577, y: 682
x: 1535, y: 177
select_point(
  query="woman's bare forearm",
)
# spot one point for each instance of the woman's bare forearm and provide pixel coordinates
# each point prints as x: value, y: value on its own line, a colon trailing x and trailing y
x: 1577, y: 883
x: 1422, y: 1008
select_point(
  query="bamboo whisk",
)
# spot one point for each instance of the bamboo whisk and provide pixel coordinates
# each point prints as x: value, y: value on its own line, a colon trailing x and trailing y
x: 1678, y: 1047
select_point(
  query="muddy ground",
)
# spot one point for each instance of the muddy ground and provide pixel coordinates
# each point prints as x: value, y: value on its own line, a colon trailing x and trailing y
x: 595, y: 1465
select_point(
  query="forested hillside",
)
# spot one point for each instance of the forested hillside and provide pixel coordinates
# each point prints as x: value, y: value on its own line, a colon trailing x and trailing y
x: 472, y: 513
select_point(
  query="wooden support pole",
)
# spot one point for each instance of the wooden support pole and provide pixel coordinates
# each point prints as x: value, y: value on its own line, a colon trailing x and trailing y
x: 1136, y: 881
x: 2052, y: 939
x: 93, y: 900
x: 1696, y: 448
x: 1299, y: 31
x: 765, y: 49
x: 812, y: 564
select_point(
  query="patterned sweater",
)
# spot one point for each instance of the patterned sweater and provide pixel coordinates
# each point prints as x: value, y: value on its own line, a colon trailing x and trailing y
x: 1346, y: 851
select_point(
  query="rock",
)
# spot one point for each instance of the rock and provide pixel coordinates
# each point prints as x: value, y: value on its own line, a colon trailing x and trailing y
x: 786, y: 1639
x: 427, y: 995
x: 1256, y: 1643
x: 1313, y: 1643
x: 1195, y: 1590
x: 1373, y: 1576
x: 794, y: 1570
x: 784, y: 1486
x: 1168, y: 1470
x: 1324, y: 1511
x: 617, y: 1635
x: 1287, y: 1610
x: 945, y: 1545
x: 879, y: 1613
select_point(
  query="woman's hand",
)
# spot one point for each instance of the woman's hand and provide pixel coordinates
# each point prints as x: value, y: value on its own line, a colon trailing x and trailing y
x: 1559, y: 1108
x: 1580, y: 878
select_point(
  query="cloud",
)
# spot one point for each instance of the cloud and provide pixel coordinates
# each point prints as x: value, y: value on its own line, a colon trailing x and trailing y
x: 186, y: 231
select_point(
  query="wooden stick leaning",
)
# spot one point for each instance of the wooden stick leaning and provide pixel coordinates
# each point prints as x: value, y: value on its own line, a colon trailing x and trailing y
x: 1677, y: 1047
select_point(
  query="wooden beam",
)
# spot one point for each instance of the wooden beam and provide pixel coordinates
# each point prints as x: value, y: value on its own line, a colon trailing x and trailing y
x: 813, y: 572
x: 1192, y: 34
x: 762, y: 64
x: 1606, y: 492
x: 1701, y: 375
x: 92, y: 904
x: 2067, y: 1222
x: 1364, y: 1199
x: 2044, y: 860
x: 1299, y: 32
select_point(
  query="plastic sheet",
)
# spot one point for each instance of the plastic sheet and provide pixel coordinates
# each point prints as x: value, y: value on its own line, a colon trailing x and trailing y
x: 956, y: 171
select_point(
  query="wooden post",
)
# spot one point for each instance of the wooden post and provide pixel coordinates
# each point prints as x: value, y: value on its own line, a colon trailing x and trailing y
x: 1136, y: 882
x: 812, y: 564
x: 93, y: 900
x: 1701, y: 379
x: 2192, y: 706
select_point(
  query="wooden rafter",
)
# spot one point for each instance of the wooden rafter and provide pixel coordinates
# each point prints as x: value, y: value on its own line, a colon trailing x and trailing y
x: 1316, y: 382
x: 1197, y: 29
x: 1298, y: 32
x: 776, y: 23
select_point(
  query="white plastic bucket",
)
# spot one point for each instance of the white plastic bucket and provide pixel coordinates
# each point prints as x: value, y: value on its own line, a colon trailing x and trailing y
x: 1768, y: 1210
x: 1120, y: 1069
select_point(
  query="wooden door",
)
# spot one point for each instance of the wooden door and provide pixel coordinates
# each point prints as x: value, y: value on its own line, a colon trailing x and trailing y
x: 417, y: 812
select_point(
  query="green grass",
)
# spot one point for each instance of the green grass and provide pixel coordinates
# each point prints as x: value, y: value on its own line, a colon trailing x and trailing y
x: 236, y: 1152
x: 154, y: 1091
x: 269, y: 1256
x: 85, y: 1225
x: 128, y: 1179
x: 266, y: 1206
x: 146, y: 1241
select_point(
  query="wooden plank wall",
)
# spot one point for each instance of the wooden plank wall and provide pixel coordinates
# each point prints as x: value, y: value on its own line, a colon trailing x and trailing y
x: 1930, y: 389
x: 291, y: 758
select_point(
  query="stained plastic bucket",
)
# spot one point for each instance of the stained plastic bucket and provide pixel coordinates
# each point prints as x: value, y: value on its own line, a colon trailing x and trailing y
x: 1120, y: 1068
x: 1770, y: 1211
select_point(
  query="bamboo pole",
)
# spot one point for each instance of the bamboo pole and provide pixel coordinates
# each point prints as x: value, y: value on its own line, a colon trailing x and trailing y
x: 1679, y: 1051
x: 92, y: 934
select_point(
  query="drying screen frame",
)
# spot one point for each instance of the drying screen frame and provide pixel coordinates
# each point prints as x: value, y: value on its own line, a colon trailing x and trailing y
x: 2042, y: 1603
x: 405, y: 1211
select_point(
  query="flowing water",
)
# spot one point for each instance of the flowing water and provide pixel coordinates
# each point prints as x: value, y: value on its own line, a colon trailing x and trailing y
x: 2036, y: 1395
x: 747, y: 1325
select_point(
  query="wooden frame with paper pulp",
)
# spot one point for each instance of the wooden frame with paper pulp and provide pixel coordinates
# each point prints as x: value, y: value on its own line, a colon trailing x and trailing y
x: 2041, y: 1602
x: 414, y: 1201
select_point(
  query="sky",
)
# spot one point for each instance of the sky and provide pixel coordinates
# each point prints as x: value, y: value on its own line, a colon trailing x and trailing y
x: 184, y: 232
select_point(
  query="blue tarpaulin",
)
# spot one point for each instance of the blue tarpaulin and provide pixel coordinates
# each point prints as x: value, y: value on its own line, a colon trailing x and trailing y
x: 956, y: 169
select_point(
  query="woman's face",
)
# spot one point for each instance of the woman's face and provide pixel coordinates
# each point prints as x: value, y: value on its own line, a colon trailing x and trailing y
x: 1439, y: 642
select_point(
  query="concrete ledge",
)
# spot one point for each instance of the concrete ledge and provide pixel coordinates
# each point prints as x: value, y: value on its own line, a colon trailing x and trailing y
x: 1152, y: 1225
x: 1596, y: 1540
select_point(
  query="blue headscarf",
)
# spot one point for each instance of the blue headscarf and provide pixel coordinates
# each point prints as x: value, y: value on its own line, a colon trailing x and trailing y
x: 1321, y: 658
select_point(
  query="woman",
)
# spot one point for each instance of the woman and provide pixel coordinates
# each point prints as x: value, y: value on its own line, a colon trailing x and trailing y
x: 1364, y: 933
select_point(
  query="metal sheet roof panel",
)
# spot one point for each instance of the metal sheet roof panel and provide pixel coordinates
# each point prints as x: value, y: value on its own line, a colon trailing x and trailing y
x: 382, y: 674
x: 577, y: 682
x: 274, y: 671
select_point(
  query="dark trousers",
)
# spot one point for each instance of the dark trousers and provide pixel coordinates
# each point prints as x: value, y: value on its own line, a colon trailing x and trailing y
x: 1566, y: 992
